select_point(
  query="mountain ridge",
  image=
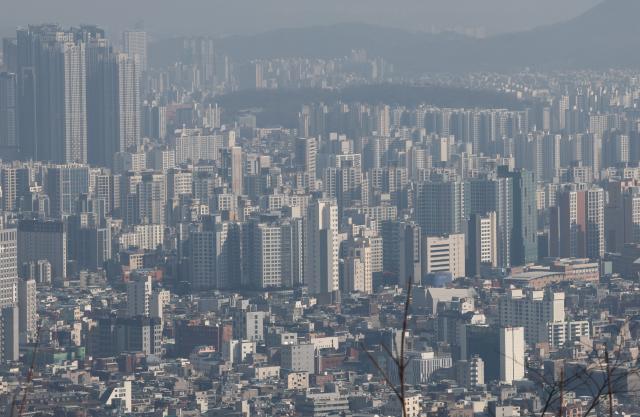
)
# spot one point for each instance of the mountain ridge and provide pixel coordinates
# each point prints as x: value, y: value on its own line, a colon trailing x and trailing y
x: 602, y: 37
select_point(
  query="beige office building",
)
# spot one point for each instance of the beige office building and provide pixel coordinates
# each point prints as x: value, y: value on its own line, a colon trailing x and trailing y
x: 444, y: 254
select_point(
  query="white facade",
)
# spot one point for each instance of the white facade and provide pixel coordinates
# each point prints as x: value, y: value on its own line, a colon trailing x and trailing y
x: 121, y: 394
x: 358, y: 269
x: 129, y: 102
x: 269, y: 255
x: 135, y: 45
x: 249, y: 325
x: 533, y: 311
x: 236, y: 351
x: 595, y: 223
x: 8, y: 176
x: 299, y: 358
x: 421, y: 365
x: 237, y: 170
x: 159, y: 300
x: 28, y: 310
x: 8, y: 267
x: 191, y: 146
x: 75, y: 103
x: 161, y: 159
x: 568, y: 331
x: 488, y: 240
x: 152, y: 199
x: 444, y: 254
x: 470, y: 373
x: 321, y: 247
x: 144, y: 236
x: 511, y: 354
x: 327, y: 342
x: 139, y: 292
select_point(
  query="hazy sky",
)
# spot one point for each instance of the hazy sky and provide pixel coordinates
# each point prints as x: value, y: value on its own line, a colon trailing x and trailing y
x: 174, y: 17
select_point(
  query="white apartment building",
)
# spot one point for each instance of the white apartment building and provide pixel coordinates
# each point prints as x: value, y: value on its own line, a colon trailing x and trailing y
x: 532, y: 310
x: 567, y: 331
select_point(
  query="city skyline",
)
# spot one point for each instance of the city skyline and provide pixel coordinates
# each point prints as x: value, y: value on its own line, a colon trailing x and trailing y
x: 340, y: 221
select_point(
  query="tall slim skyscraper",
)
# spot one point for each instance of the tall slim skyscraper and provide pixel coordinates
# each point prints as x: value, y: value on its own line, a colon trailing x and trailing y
x: 28, y: 52
x: 322, y: 247
x: 568, y: 225
x: 9, y: 333
x: 262, y: 254
x: 357, y: 267
x: 152, y: 198
x: 237, y: 170
x: 28, y: 310
x: 304, y: 121
x: 592, y: 152
x: 524, y: 236
x: 306, y: 154
x: 75, y: 105
x: 10, y: 54
x: 9, y: 321
x: 482, y: 243
x: 134, y: 44
x: 8, y: 115
x: 511, y: 354
x: 154, y: 120
x: 201, y: 249
x: 595, y: 223
x: 562, y: 107
x: 622, y: 215
x: 8, y: 179
x: 52, y: 84
x: 8, y: 267
x: 15, y: 184
x: 292, y: 252
x: 113, y: 106
x: 139, y: 291
x: 128, y: 102
x: 101, y: 102
x: 383, y: 120
x: 551, y: 157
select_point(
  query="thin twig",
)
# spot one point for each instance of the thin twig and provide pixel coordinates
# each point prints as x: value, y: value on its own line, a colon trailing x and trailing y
x: 382, y: 373
x: 398, y: 359
x: 610, y: 392
x: 388, y: 352
x: 403, y: 366
x: 23, y: 403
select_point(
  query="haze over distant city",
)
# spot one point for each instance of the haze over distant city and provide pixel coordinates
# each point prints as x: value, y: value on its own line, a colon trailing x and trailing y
x: 319, y: 208
x: 217, y: 17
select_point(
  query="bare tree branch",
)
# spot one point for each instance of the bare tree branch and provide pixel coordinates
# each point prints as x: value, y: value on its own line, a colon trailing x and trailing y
x: 398, y: 359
